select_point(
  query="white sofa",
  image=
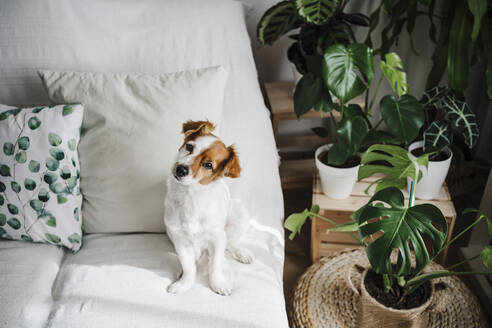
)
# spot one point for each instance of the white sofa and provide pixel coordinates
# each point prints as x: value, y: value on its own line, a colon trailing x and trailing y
x: 120, y: 279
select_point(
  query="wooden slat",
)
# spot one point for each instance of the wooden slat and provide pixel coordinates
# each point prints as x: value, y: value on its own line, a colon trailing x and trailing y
x: 297, y: 173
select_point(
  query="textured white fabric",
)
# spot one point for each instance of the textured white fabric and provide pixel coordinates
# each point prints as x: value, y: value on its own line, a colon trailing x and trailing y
x: 40, y: 196
x: 131, y: 131
x: 155, y: 37
x: 121, y: 280
x: 27, y: 274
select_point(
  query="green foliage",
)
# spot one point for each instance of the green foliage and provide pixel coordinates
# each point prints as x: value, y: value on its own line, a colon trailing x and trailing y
x: 43, y: 195
x: 316, y: 11
x: 403, y: 116
x: 65, y: 173
x: 478, y: 8
x: 54, y: 139
x: 350, y: 135
x: 295, y: 221
x: 392, y: 69
x: 51, y: 221
x: 307, y: 93
x: 400, y: 166
x: 2, y: 200
x: 8, y: 113
x: 34, y: 166
x: 3, y: 219
x: 75, y: 238
x: 52, y: 238
x: 277, y: 21
x: 57, y: 154
x: 52, y: 164
x: 21, y: 157
x: 34, y: 123
x: 459, y: 38
x: 15, y: 187
x: 14, y: 223
x: 29, y: 184
x: 403, y: 229
x: 4, y: 170
x: 38, y: 109
x: 2, y: 187
x: 486, y: 256
x: 26, y: 238
x: 72, y: 144
x: 463, y: 119
x: 437, y: 136
x: 67, y: 110
x: 57, y: 187
x: 347, y: 70
x: 36, y: 205
x: 8, y: 148
x: 24, y: 143
x: 76, y: 214
x: 12, y: 209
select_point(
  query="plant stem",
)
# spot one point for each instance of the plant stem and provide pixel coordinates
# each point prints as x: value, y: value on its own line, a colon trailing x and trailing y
x: 312, y: 214
x: 368, y: 112
x: 334, y: 130
x: 463, y: 262
x: 386, y: 282
x: 414, y: 283
x: 378, y: 124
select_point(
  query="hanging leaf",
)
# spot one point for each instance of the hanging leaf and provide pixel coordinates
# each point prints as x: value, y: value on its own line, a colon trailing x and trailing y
x: 463, y: 119
x: 316, y: 11
x: 76, y: 214
x: 434, y: 95
x: 29, y: 184
x: 61, y: 199
x: 67, y: 110
x: 7, y: 113
x: 38, y: 109
x: 21, y: 157
x: 51, y: 221
x: 12, y: 209
x: 459, y: 37
x: 2, y: 187
x: 392, y: 69
x: 54, y: 139
x: 72, y: 144
x: 24, y: 143
x: 8, y: 148
x: 307, y: 93
x: 400, y: 166
x: 52, y: 238
x: 478, y: 9
x: 50, y: 177
x: 4, y: 170
x: 347, y: 70
x: 14, y: 223
x: 33, y: 123
x: 2, y: 200
x: 486, y: 256
x: 43, y: 195
x: 36, y: 205
x: 15, y: 187
x: 74, y: 238
x: 57, y: 188
x: 52, y: 164
x: 487, y: 43
x: 350, y: 135
x: 277, y: 21
x: 57, y: 154
x: 437, y: 136
x: 26, y: 238
x: 71, y: 182
x: 403, y: 229
x: 34, y: 166
x: 3, y: 219
x: 404, y: 116
x: 65, y: 172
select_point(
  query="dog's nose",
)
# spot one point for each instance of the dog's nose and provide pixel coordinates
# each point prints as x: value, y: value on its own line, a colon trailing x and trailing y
x: 181, y: 171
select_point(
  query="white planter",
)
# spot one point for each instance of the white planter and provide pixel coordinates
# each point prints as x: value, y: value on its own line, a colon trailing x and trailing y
x: 433, y: 177
x: 335, y: 182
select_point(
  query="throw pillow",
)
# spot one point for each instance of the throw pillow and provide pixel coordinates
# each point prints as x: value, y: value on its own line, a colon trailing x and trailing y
x: 130, y: 136
x: 40, y: 196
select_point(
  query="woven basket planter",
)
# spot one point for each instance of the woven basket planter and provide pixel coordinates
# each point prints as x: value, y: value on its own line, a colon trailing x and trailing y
x: 323, y: 297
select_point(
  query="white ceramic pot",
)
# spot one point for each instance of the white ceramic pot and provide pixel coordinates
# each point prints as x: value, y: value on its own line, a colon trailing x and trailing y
x: 336, y: 182
x: 433, y: 177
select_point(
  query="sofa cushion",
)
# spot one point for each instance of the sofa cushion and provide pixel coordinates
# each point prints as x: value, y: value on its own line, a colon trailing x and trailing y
x: 131, y: 134
x: 40, y: 196
x: 121, y: 280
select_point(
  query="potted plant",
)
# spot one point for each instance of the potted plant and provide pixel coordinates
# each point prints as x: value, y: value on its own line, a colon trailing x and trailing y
x: 400, y: 241
x: 446, y: 118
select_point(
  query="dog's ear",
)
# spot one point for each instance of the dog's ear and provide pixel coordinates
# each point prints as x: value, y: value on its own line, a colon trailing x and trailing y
x: 232, y: 169
x: 197, y: 127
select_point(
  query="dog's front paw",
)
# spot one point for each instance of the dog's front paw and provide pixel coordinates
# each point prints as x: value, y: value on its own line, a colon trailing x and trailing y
x: 179, y: 286
x: 242, y: 255
x: 220, y: 285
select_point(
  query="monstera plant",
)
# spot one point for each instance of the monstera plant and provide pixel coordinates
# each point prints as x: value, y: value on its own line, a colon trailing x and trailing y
x: 401, y: 238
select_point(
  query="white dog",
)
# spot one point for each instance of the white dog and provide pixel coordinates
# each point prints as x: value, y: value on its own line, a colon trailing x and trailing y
x: 199, y: 212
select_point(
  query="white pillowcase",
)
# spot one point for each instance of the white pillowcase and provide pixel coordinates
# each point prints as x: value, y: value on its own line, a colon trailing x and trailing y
x: 39, y: 174
x: 130, y: 135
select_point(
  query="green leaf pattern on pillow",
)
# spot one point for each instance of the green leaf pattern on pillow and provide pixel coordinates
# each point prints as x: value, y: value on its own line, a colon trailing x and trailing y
x: 40, y: 195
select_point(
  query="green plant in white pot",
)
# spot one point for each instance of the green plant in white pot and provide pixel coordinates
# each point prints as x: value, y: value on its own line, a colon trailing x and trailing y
x: 401, y: 239
x: 446, y: 118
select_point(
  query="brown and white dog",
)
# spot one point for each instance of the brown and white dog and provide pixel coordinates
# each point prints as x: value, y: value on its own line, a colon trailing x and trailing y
x: 199, y: 212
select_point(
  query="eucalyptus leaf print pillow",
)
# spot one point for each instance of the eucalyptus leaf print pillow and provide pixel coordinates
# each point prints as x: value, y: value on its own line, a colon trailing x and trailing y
x: 40, y: 195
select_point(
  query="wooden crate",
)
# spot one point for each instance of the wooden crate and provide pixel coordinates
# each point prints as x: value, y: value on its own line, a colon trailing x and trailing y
x: 325, y: 243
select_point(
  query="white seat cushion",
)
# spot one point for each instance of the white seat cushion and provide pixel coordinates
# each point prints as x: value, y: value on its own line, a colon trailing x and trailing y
x: 121, y: 280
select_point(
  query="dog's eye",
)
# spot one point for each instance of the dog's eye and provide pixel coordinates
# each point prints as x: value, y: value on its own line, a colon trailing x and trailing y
x: 207, y: 165
x: 189, y: 148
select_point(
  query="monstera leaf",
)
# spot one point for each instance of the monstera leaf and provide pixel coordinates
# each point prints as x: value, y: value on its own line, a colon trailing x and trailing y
x: 437, y: 136
x: 295, y: 221
x: 463, y: 119
x: 392, y: 69
x: 400, y: 166
x: 277, y: 21
x: 347, y: 70
x: 403, y: 116
x: 403, y: 229
x: 350, y: 135
x: 316, y: 11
